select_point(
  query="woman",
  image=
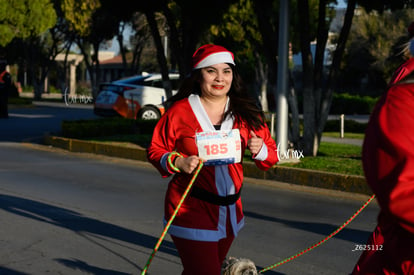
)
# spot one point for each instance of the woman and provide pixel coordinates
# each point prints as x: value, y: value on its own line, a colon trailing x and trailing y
x: 210, y: 119
x: 388, y: 161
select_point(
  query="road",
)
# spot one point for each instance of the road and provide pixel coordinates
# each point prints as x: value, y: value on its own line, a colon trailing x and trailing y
x: 32, y: 123
x: 67, y: 213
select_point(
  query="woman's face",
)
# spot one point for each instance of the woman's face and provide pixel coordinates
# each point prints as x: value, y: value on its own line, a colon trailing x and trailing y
x: 216, y: 80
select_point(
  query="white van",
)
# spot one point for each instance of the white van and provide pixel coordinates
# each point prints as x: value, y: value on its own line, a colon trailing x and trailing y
x: 135, y: 97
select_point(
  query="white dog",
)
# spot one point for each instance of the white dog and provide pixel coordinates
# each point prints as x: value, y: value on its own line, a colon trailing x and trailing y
x: 234, y: 266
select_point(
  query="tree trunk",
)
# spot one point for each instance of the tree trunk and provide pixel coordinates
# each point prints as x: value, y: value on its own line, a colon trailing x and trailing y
x: 270, y: 45
x: 136, y: 59
x: 294, y: 131
x: 89, y: 67
x: 333, y: 74
x: 120, y: 38
x: 322, y: 37
x: 261, y: 80
x: 162, y: 61
x: 176, y: 47
x: 309, y: 121
x: 97, y: 68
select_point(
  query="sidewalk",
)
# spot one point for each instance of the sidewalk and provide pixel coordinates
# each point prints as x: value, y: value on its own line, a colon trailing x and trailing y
x: 44, y: 95
x: 352, y: 141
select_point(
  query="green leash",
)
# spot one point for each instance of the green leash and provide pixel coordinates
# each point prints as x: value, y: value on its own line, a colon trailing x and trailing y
x: 339, y: 229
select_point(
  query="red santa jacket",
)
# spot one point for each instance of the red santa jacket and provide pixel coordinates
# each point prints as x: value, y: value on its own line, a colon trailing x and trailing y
x: 388, y: 161
x: 176, y: 131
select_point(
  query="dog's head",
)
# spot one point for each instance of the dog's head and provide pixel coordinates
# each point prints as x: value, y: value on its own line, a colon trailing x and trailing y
x: 234, y: 266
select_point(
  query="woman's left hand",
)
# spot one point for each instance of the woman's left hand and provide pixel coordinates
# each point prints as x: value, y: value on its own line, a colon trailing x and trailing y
x: 255, y: 143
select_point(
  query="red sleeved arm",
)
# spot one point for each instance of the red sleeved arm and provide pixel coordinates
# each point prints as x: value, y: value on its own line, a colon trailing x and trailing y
x: 269, y: 150
x: 162, y: 144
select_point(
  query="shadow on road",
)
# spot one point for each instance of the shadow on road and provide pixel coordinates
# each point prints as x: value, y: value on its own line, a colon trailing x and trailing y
x: 347, y: 234
x: 6, y: 271
x: 81, y: 225
x: 77, y: 264
x: 30, y: 124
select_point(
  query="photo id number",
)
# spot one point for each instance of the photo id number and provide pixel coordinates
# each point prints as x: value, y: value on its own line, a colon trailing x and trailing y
x: 364, y: 247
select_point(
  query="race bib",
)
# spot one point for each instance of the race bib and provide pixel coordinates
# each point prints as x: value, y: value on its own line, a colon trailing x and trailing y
x: 219, y: 147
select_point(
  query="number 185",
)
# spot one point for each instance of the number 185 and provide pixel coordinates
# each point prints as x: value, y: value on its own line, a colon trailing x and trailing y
x: 215, y: 149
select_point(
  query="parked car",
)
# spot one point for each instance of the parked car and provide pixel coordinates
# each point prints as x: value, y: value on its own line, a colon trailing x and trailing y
x: 140, y: 96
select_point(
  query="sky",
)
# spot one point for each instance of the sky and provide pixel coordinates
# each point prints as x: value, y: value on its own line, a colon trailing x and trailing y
x: 341, y: 4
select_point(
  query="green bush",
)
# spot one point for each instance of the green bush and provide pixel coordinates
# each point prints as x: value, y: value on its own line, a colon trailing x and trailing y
x: 352, y: 104
x: 54, y: 90
x: 28, y: 89
x: 19, y: 101
x: 351, y: 126
x: 106, y: 127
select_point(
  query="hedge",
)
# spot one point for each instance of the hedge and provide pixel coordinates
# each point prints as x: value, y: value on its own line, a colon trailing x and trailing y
x: 352, y: 104
x: 351, y: 126
x: 106, y: 127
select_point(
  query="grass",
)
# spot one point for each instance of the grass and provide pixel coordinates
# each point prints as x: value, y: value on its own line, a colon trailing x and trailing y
x: 333, y: 157
x: 142, y: 140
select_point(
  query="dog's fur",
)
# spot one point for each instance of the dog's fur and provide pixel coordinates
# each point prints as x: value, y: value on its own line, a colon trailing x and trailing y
x: 234, y: 266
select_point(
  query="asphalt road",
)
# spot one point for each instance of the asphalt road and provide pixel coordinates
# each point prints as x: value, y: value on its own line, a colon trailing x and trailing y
x: 68, y: 213
x: 32, y: 123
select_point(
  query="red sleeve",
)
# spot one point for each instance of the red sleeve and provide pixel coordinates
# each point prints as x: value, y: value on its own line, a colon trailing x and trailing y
x: 162, y: 143
x: 389, y: 166
x: 271, y: 158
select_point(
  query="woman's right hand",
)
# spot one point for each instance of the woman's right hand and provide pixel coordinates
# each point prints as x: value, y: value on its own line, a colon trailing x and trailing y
x: 188, y: 164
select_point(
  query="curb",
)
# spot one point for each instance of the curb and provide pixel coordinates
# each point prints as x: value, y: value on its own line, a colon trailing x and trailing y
x: 312, y: 178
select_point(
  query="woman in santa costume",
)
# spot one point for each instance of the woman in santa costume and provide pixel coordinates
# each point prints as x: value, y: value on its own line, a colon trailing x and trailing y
x: 211, y: 119
x: 388, y: 161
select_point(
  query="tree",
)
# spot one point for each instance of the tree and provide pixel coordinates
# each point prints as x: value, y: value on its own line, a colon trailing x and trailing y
x: 138, y: 41
x: 91, y: 23
x: 304, y: 17
x: 17, y: 19
x: 240, y: 30
x: 28, y: 43
x: 40, y: 53
x: 384, y: 5
x: 317, y: 96
x: 375, y: 49
x: 188, y: 21
x: 317, y: 92
x: 268, y: 25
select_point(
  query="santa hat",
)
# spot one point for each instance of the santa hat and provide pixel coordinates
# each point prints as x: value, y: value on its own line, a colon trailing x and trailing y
x: 209, y: 54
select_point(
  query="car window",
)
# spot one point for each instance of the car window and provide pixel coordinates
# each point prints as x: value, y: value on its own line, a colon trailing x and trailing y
x: 158, y: 83
x: 155, y: 83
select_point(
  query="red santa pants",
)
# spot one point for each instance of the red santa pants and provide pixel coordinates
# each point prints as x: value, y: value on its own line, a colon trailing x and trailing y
x: 203, y: 258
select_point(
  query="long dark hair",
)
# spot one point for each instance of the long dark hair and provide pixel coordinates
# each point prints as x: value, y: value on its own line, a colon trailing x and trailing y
x: 242, y: 106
